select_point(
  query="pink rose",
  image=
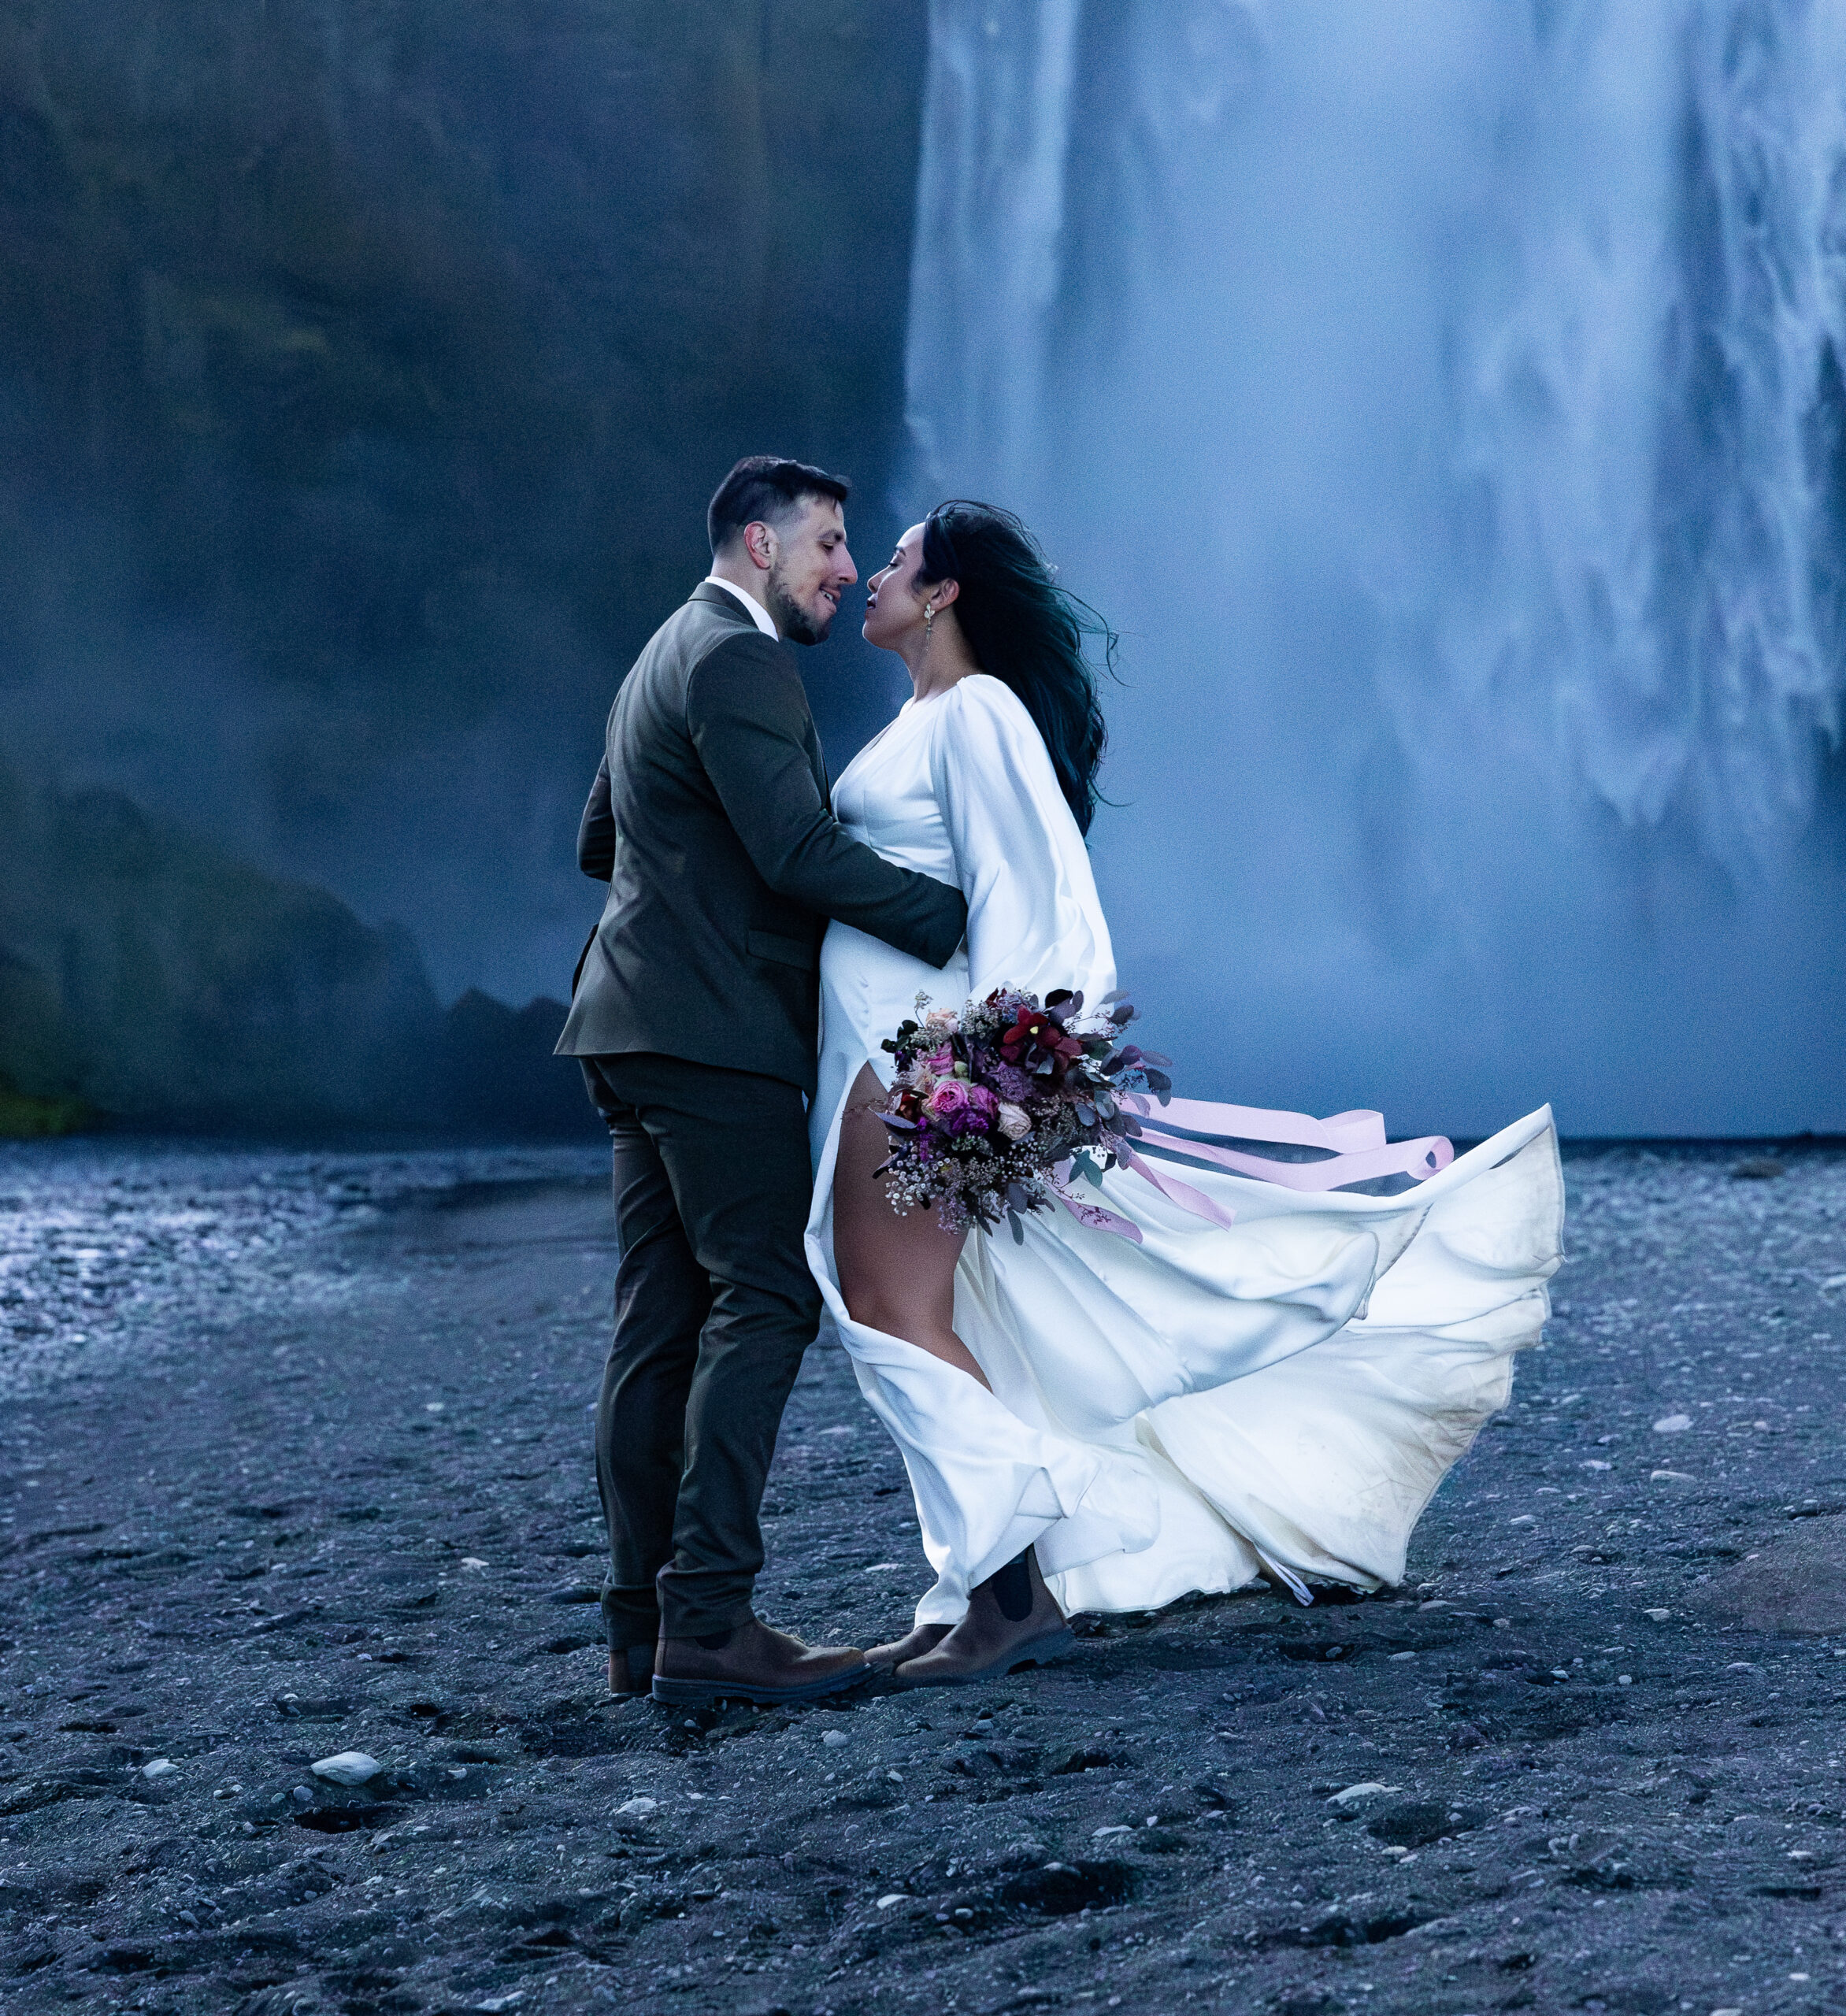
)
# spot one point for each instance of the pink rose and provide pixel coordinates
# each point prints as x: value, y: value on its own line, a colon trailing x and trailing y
x: 958, y: 1107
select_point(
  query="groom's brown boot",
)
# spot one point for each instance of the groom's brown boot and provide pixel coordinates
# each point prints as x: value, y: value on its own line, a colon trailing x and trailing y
x: 913, y: 1645
x: 1013, y: 1621
x: 752, y: 1662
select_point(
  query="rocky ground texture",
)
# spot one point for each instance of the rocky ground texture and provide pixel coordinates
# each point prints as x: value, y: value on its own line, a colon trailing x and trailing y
x: 1588, y: 1758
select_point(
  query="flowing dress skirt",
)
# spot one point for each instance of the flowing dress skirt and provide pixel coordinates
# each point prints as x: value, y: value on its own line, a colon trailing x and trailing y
x: 1282, y: 1396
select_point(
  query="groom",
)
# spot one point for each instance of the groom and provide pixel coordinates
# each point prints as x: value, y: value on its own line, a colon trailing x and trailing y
x: 695, y: 1021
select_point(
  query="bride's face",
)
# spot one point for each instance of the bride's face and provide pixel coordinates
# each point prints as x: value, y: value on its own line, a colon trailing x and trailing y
x: 894, y: 604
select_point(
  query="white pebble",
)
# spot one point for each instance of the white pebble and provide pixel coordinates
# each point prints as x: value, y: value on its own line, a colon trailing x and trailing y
x: 1672, y: 1424
x: 348, y: 1767
x: 1625, y: 1680
x: 1361, y: 1791
x: 1403, y: 1656
x: 159, y: 1767
x: 893, y: 1897
x: 472, y: 1561
x: 640, y: 1807
x: 834, y: 1738
x: 1659, y: 1616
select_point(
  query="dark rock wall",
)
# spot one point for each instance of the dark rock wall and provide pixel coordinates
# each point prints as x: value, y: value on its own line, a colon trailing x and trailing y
x: 364, y: 367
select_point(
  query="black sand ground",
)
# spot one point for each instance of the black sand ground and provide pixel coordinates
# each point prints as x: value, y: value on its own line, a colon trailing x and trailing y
x: 1590, y: 1757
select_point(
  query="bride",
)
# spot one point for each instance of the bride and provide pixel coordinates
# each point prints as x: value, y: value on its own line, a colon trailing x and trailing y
x: 1277, y: 1377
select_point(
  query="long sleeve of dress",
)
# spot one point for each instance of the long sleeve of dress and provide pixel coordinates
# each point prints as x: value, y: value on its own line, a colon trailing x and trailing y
x: 1034, y: 919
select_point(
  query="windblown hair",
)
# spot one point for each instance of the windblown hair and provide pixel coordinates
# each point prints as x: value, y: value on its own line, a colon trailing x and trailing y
x: 765, y: 489
x: 1027, y: 632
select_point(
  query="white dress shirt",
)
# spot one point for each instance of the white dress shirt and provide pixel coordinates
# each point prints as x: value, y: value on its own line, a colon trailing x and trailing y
x: 758, y: 614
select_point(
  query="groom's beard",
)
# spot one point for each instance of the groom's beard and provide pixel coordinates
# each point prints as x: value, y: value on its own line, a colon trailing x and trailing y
x: 789, y: 616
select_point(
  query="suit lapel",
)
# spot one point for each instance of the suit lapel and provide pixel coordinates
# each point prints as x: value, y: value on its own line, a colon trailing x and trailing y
x: 711, y: 597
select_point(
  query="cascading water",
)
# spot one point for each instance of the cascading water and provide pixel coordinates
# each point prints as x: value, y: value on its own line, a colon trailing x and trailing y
x: 1446, y: 401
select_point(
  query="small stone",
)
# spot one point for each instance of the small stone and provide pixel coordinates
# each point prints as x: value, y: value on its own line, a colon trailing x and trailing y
x: 1364, y: 1790
x: 637, y: 1808
x: 1593, y: 1464
x: 348, y: 1767
x: 159, y: 1767
x: 1670, y: 1476
x: 896, y: 1777
x: 1672, y: 1424
x: 1403, y: 1656
x: 834, y: 1738
x: 893, y: 1897
x: 1625, y: 1680
x: 473, y: 1560
x: 1103, y: 1834
x: 1503, y: 1624
x: 1659, y: 1616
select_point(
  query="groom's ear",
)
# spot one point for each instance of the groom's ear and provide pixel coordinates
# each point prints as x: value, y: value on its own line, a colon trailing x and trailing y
x: 759, y: 543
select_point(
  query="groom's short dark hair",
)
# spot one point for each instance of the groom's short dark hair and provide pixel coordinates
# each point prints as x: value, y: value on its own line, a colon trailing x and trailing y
x: 766, y: 488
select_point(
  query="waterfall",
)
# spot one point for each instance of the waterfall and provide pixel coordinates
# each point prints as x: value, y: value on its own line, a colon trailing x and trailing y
x: 1448, y: 403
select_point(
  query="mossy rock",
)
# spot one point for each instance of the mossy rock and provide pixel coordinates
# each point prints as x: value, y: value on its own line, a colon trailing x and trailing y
x: 24, y: 1118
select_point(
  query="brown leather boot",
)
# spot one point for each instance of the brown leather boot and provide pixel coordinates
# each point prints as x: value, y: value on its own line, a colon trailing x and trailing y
x: 1013, y: 1621
x: 924, y: 1638
x: 631, y: 1671
x: 752, y: 1662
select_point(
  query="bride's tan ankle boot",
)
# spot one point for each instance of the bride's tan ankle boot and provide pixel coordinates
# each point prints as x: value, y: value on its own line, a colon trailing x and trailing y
x: 920, y: 1639
x: 1012, y: 1621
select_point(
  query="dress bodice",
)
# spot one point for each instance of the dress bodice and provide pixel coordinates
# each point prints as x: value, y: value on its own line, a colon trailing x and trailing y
x: 886, y: 796
x: 960, y: 786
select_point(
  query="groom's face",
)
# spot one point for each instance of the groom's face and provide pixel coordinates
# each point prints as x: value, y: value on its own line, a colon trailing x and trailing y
x: 810, y: 570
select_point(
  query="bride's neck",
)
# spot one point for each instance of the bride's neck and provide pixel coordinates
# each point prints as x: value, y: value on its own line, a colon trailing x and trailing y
x: 940, y: 661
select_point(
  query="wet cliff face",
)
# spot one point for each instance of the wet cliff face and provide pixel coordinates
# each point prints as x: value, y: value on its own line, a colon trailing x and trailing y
x: 364, y: 367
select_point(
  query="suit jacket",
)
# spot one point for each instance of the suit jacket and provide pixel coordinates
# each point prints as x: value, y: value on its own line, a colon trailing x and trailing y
x: 709, y: 820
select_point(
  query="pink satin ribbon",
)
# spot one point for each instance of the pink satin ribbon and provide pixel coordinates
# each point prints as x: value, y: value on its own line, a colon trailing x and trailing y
x: 1358, y: 1152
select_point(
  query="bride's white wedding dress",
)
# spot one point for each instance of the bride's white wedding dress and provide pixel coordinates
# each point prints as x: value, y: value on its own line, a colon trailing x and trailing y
x: 1285, y: 1394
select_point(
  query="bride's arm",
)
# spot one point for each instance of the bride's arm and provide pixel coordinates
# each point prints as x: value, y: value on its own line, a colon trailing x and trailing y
x: 1034, y: 921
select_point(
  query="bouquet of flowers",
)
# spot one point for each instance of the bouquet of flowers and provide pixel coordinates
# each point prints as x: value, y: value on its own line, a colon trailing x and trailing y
x: 997, y: 1109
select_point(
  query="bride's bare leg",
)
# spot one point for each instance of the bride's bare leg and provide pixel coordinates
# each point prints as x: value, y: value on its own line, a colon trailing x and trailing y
x: 896, y: 1275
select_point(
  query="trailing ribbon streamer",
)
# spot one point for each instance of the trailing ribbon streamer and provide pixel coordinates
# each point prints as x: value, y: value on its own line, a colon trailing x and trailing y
x: 1359, y: 1152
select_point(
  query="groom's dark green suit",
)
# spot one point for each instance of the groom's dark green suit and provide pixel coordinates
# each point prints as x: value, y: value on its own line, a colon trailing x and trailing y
x: 695, y: 1017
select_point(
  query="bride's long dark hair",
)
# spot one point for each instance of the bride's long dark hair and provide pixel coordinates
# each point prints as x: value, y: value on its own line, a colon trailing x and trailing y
x: 1027, y: 632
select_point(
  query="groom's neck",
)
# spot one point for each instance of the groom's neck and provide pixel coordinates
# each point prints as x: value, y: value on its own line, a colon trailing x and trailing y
x: 748, y: 578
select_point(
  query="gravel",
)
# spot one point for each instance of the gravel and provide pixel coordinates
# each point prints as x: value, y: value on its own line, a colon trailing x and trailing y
x: 315, y: 1488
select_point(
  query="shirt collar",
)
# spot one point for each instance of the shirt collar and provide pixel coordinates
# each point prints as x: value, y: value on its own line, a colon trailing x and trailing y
x: 754, y: 609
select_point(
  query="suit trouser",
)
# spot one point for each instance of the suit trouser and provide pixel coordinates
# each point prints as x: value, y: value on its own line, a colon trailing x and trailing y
x: 714, y: 1306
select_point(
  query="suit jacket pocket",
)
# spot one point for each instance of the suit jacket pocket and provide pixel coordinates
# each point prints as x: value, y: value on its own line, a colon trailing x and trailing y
x: 784, y: 951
